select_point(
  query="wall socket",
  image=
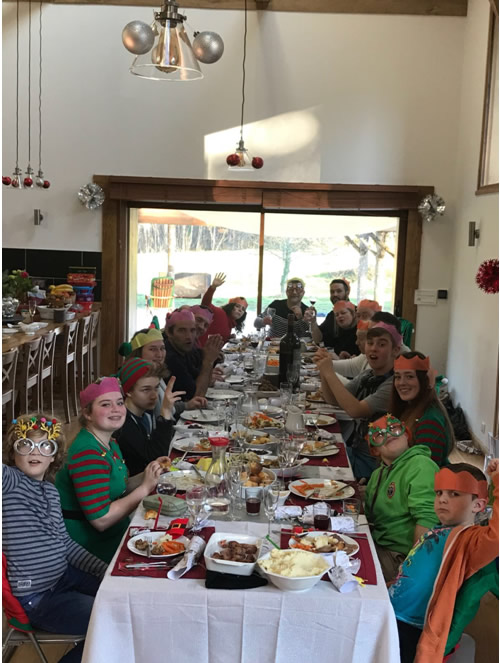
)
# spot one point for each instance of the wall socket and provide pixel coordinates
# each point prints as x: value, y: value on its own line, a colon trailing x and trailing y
x: 483, y: 427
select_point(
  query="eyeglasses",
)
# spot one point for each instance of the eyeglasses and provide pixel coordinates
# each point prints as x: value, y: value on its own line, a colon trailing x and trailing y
x: 295, y: 286
x: 24, y: 446
x: 378, y: 436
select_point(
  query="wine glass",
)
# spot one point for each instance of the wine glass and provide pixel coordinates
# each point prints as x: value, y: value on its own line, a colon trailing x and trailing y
x: 311, y: 302
x: 196, y: 498
x: 165, y: 486
x: 270, y: 501
x: 237, y: 475
x: 32, y: 308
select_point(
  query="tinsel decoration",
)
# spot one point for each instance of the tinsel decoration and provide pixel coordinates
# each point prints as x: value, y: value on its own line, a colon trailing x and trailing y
x: 487, y: 276
x: 91, y: 195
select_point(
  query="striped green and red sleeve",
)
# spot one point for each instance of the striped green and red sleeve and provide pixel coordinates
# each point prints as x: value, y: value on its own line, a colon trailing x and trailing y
x: 90, y: 473
x: 431, y: 432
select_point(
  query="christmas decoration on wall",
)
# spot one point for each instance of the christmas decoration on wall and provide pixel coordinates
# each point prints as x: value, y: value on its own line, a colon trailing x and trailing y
x: 430, y: 206
x: 17, y: 181
x: 91, y: 195
x: 163, y: 50
x: 241, y: 159
x: 487, y: 276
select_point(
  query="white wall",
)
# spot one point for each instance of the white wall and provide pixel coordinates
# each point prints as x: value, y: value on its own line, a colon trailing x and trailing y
x: 473, y: 337
x: 330, y: 98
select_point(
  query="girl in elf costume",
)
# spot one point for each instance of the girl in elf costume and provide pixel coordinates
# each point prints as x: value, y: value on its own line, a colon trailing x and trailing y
x: 444, y: 576
x: 96, y: 493
x: 148, y: 344
x: 414, y: 400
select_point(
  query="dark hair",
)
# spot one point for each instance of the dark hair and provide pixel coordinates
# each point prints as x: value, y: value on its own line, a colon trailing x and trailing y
x: 228, y: 309
x: 346, y: 287
x: 466, y: 467
x: 11, y: 437
x: 426, y: 398
x: 388, y: 318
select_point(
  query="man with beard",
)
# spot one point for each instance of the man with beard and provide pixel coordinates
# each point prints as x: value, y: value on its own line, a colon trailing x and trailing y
x: 295, y: 289
x: 328, y: 330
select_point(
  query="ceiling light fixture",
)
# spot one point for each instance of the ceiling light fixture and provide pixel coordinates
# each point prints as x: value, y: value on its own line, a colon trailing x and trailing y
x: 241, y: 159
x: 163, y: 50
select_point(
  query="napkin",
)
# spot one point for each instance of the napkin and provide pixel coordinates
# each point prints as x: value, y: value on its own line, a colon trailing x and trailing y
x: 172, y: 506
x: 189, y: 559
x: 215, y: 580
x: 325, y: 435
x: 288, y: 512
x: 342, y: 572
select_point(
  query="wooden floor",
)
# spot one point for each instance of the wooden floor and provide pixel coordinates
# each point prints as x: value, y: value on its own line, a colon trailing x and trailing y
x: 484, y: 628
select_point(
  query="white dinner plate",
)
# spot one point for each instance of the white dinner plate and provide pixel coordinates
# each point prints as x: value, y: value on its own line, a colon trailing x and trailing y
x: 154, y: 536
x: 330, y: 450
x: 342, y: 490
x: 222, y: 394
x: 285, y: 472
x: 189, y: 444
x: 323, y: 408
x: 234, y: 379
x: 184, y: 479
x: 200, y: 416
x: 9, y: 330
x: 323, y: 420
x: 292, y: 542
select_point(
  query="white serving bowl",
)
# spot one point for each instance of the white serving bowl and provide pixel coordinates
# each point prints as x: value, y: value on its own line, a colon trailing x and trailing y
x: 299, y: 584
x: 224, y: 566
x: 46, y: 313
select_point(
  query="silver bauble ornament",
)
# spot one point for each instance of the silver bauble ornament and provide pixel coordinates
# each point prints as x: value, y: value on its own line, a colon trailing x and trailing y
x: 91, y: 195
x: 208, y: 47
x: 138, y: 37
x: 430, y: 206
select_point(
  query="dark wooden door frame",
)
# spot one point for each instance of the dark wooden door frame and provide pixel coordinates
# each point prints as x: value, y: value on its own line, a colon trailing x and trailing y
x: 122, y: 193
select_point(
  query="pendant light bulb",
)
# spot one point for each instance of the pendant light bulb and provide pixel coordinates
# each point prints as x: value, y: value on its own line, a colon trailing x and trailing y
x: 17, y: 178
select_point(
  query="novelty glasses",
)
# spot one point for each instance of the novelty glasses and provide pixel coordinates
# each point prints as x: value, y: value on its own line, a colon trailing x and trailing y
x: 377, y: 435
x: 24, y: 446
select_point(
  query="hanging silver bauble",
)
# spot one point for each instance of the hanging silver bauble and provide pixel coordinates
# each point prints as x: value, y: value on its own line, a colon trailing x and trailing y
x: 208, y: 47
x: 91, y: 195
x: 430, y: 206
x: 138, y: 37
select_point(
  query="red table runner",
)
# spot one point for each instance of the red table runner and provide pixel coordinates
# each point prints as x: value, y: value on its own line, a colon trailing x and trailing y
x: 295, y: 500
x: 367, y: 569
x: 339, y: 460
x: 128, y: 557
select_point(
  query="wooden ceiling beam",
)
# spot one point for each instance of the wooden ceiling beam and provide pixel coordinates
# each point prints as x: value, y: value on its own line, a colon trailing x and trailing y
x: 401, y: 7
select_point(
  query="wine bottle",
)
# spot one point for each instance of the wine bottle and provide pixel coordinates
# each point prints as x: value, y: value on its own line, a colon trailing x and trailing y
x: 290, y: 355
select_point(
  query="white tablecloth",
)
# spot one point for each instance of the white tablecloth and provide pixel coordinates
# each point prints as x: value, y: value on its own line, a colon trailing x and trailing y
x: 148, y: 620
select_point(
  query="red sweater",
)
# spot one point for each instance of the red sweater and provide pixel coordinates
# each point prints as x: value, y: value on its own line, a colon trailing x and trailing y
x: 221, y: 324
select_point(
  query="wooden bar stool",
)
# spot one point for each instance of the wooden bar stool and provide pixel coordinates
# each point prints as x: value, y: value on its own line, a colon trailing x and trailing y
x: 9, y: 364
x: 83, y: 352
x: 28, y: 376
x: 66, y: 368
x: 94, y: 368
x: 47, y: 369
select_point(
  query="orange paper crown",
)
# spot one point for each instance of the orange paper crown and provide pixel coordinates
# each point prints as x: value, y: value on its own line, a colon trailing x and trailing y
x: 463, y: 481
x: 413, y: 364
x: 341, y: 305
x: 369, y: 303
x: 363, y: 324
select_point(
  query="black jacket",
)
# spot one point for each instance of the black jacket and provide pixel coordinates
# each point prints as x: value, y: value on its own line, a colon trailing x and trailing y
x: 139, y: 448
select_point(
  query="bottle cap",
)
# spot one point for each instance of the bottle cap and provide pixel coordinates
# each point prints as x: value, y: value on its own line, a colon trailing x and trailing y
x: 218, y: 441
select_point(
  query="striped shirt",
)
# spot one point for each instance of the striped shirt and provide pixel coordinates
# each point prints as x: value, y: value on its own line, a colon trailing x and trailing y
x: 279, y: 325
x: 35, y: 541
x: 90, y: 480
x: 431, y: 430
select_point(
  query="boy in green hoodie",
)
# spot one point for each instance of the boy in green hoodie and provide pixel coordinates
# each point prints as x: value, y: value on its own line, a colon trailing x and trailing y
x: 399, y: 499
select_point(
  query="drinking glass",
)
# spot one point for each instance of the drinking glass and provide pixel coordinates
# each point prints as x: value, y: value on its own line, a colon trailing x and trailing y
x: 321, y: 516
x: 270, y: 500
x: 253, y: 500
x: 165, y: 486
x: 32, y: 308
x: 311, y: 302
x: 293, y: 374
x: 285, y: 393
x: 352, y: 508
x: 270, y: 311
x: 237, y: 475
x: 196, y: 498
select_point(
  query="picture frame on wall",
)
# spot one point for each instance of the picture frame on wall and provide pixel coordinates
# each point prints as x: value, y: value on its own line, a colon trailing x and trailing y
x: 488, y: 178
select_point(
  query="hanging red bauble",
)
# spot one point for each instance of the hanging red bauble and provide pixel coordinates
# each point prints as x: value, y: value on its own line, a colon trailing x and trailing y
x: 28, y: 181
x: 257, y: 162
x: 6, y: 180
x: 487, y: 276
x: 233, y: 160
x: 46, y: 184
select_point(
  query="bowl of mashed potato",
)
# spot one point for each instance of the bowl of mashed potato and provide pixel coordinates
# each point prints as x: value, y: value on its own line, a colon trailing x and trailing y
x: 293, y: 570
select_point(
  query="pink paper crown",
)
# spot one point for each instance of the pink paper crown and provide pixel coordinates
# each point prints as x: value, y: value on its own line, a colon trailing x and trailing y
x: 390, y: 329
x: 101, y: 386
x: 204, y: 313
x: 179, y: 316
